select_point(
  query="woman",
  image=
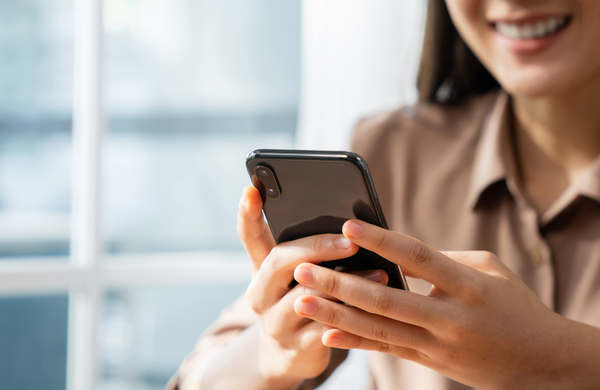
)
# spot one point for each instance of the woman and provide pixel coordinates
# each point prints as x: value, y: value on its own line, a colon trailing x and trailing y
x: 505, y: 180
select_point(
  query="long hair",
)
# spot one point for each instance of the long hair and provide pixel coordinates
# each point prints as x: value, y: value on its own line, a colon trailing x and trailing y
x: 449, y: 71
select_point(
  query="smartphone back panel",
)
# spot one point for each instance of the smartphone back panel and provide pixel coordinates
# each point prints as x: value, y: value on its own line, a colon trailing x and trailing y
x: 314, y: 192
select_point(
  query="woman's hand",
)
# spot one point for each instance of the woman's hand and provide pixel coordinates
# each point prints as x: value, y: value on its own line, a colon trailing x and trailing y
x: 290, y: 347
x: 479, y: 325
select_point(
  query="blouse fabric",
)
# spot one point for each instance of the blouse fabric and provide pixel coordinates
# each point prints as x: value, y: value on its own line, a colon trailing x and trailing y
x: 447, y: 175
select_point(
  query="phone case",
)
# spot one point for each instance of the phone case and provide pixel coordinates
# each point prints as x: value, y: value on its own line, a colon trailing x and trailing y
x: 314, y: 192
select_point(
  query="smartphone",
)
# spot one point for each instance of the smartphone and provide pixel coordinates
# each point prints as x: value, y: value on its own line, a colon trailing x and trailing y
x: 308, y: 192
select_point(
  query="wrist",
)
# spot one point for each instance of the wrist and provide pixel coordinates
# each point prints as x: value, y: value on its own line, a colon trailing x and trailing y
x: 580, y: 358
x: 279, y: 368
x: 572, y: 361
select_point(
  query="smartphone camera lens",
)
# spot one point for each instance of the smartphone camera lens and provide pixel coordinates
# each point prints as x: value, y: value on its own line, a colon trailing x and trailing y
x: 267, y: 181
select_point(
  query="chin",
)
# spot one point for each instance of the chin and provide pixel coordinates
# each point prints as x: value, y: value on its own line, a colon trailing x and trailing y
x: 532, y: 83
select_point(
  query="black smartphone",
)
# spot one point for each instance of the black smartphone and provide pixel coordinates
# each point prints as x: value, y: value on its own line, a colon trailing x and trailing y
x: 309, y: 192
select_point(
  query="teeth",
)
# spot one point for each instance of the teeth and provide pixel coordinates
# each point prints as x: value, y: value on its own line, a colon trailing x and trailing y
x: 531, y: 31
x: 540, y: 29
x: 527, y: 31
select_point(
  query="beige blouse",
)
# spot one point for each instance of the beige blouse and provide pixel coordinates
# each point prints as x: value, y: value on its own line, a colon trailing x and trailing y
x: 446, y: 175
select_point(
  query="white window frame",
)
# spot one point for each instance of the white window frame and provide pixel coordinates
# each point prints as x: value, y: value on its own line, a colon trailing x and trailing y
x: 87, y: 273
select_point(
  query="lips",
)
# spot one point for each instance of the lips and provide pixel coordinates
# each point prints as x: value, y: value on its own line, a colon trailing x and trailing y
x: 532, y: 30
x: 530, y: 35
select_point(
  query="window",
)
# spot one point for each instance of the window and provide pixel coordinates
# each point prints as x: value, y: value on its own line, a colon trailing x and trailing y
x: 123, y: 130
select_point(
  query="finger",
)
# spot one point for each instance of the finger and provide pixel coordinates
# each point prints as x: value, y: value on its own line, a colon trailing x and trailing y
x: 310, y: 336
x: 374, y: 298
x: 410, y: 253
x: 283, y: 311
x: 306, y: 337
x: 377, y: 276
x: 252, y: 227
x: 480, y: 260
x: 337, y: 338
x: 408, y: 273
x: 363, y: 324
x: 273, y: 279
x: 281, y: 319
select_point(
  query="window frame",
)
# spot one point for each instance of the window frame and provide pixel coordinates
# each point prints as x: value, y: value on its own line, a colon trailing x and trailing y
x: 87, y: 273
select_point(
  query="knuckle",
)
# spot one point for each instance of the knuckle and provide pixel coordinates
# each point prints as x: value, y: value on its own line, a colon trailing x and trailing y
x: 316, y: 243
x: 378, y: 332
x: 383, y: 348
x: 383, y: 243
x: 332, y: 284
x: 300, y: 290
x: 273, y: 260
x: 419, y: 253
x: 242, y: 230
x: 247, y: 233
x: 381, y: 301
x: 251, y: 297
x: 273, y: 328
x: 483, y: 259
x: 334, y: 317
x: 488, y: 258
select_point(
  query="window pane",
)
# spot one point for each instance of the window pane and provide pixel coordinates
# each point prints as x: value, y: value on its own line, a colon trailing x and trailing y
x: 36, y: 57
x: 192, y: 87
x: 146, y: 333
x: 33, y: 342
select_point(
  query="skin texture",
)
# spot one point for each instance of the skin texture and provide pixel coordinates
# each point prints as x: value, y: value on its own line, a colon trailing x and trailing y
x: 554, y: 91
x: 568, y: 65
x: 476, y: 306
x: 479, y: 325
x: 290, y: 347
x: 287, y: 347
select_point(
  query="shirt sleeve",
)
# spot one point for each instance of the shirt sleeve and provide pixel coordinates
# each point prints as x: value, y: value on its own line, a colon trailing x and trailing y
x: 239, y: 316
x: 232, y: 321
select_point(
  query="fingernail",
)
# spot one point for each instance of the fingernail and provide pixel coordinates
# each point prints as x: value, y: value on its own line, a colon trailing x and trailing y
x: 334, y: 341
x: 374, y: 276
x: 304, y: 275
x: 342, y: 243
x: 353, y: 229
x: 307, y: 309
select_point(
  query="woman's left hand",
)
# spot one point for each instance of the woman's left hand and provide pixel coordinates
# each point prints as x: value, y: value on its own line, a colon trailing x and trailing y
x: 479, y: 325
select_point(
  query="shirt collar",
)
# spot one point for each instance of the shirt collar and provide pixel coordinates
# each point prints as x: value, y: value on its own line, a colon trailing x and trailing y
x: 587, y: 185
x: 494, y: 161
x: 590, y: 181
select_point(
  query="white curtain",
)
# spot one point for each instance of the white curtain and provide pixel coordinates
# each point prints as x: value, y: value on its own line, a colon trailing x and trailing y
x: 359, y: 57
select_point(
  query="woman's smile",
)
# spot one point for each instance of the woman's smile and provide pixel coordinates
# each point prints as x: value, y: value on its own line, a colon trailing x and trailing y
x: 532, y: 47
x: 529, y: 35
x: 531, y: 29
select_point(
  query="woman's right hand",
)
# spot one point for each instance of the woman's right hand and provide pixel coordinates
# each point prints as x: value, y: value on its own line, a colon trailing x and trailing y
x: 290, y: 347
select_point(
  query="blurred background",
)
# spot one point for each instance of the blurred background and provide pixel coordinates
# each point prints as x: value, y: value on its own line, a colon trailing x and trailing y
x: 189, y: 87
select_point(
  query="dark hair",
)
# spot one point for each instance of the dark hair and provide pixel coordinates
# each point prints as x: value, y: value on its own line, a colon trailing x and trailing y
x: 449, y: 71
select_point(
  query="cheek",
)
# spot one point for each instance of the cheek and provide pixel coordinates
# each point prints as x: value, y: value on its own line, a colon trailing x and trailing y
x: 571, y: 63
